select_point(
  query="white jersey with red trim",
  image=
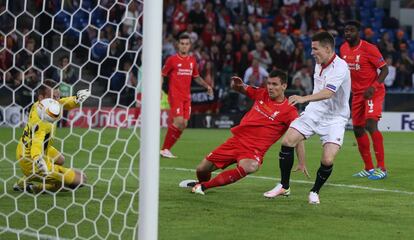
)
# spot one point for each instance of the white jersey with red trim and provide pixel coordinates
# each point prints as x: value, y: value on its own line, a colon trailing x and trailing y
x: 334, y: 76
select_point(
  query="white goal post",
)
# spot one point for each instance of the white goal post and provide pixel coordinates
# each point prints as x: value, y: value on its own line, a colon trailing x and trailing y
x: 150, y: 128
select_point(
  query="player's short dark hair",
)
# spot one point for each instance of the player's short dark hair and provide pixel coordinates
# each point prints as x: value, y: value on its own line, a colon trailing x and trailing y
x: 184, y: 36
x: 324, y: 38
x: 354, y: 23
x: 280, y: 74
x: 46, y: 84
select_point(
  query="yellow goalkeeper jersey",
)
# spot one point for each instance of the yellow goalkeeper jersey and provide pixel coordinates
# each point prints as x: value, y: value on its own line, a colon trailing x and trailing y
x: 37, y: 134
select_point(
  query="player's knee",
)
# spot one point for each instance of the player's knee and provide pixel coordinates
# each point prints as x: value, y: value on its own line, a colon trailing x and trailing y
x: 327, y: 161
x: 288, y: 142
x: 79, y: 181
x: 371, y: 125
x: 181, y: 126
x: 201, y: 168
x: 359, y: 131
x: 60, y: 160
x: 250, y: 166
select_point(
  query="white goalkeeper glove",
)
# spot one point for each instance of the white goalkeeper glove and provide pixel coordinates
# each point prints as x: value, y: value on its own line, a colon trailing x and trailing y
x: 82, y: 95
x: 41, y: 166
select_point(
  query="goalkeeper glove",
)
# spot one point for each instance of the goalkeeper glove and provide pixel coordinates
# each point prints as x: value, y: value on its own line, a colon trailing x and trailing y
x: 82, y: 95
x: 41, y: 166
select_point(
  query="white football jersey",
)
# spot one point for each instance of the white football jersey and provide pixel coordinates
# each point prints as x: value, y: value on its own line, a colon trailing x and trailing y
x: 336, y: 78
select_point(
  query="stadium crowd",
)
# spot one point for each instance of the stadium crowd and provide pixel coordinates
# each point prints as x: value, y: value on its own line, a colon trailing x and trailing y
x: 239, y: 37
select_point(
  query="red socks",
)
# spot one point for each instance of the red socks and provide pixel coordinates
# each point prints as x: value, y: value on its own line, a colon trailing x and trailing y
x: 364, y: 149
x: 226, y: 177
x: 173, y: 134
x: 377, y: 140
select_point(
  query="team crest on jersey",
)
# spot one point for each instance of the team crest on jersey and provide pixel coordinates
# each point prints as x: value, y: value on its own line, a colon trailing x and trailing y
x: 275, y: 114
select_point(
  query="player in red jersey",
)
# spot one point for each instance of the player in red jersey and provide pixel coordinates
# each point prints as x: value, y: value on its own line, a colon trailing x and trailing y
x: 180, y: 69
x: 364, y: 59
x: 267, y: 120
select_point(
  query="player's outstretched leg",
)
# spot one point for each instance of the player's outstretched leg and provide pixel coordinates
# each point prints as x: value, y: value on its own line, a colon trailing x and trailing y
x: 245, y: 166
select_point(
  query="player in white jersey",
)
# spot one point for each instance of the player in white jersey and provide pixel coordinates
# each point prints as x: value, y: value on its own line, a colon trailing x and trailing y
x: 326, y: 115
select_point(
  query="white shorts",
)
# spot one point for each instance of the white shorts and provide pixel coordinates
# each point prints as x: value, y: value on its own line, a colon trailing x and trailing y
x: 330, y: 130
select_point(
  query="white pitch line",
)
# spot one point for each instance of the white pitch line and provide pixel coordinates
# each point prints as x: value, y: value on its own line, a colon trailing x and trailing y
x: 272, y: 179
x: 308, y: 182
x: 30, y: 234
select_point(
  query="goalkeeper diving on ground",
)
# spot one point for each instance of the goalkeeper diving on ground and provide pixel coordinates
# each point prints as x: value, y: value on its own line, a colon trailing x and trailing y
x: 40, y: 162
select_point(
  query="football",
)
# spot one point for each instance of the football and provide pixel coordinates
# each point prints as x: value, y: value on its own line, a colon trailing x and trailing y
x: 49, y: 110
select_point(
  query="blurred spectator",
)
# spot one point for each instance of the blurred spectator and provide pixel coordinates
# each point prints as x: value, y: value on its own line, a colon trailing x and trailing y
x: 253, y: 25
x: 298, y: 57
x: 283, y: 21
x: 330, y: 24
x: 210, y: 15
x: 190, y: 31
x: 180, y: 16
x: 270, y: 38
x: 403, y: 79
x: 247, y: 39
x: 243, y: 60
x: 369, y: 35
x: 215, y: 57
x: 399, y: 39
x: 66, y: 74
x: 168, y: 47
x: 262, y: 55
x: 385, y: 45
x: 280, y: 59
x: 207, y: 34
x: 286, y: 42
x: 236, y: 7
x: 223, y: 19
x: 128, y: 93
x: 253, y: 8
x: 130, y: 22
x: 255, y: 75
x: 302, y: 19
x: 227, y: 66
x: 6, y: 60
x: 197, y: 18
x: 303, y: 80
x: 389, y: 80
x: 208, y: 73
x: 117, y: 48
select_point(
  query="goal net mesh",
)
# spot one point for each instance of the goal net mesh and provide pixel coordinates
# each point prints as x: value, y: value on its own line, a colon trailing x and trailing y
x: 82, y: 44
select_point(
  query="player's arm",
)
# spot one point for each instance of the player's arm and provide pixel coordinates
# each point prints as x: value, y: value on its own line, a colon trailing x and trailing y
x: 36, y: 150
x: 238, y: 85
x: 300, y: 153
x: 381, y: 77
x: 203, y: 83
x: 321, y: 95
x: 75, y: 101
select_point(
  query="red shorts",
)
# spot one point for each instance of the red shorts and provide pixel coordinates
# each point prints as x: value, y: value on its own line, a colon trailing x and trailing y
x: 179, y: 108
x: 232, y: 151
x: 363, y: 109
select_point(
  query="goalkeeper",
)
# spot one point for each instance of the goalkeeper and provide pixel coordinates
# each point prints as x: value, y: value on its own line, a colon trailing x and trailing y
x: 41, y: 163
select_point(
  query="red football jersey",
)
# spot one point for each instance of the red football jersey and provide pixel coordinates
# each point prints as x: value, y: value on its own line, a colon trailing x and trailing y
x: 363, y: 62
x: 266, y: 121
x: 180, y: 70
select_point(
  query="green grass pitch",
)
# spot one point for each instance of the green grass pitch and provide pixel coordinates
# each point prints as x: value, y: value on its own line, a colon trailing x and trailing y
x: 108, y: 207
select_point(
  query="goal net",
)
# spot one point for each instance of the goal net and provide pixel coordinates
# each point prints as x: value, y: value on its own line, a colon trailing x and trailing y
x: 82, y: 44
